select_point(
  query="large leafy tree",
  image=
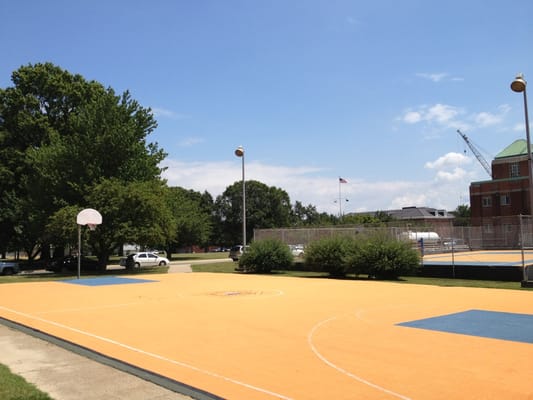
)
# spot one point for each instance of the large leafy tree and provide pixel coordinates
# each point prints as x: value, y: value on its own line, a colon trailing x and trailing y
x: 191, y: 212
x: 133, y: 212
x: 60, y: 137
x: 305, y: 215
x: 462, y: 215
x: 266, y: 207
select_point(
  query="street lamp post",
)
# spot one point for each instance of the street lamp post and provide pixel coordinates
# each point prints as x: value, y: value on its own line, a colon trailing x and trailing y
x: 519, y: 85
x: 239, y: 152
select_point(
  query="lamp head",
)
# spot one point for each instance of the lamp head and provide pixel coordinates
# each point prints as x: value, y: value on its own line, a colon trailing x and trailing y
x: 239, y: 151
x: 519, y: 84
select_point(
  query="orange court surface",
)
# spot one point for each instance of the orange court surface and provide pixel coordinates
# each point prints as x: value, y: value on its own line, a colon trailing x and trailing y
x: 483, y: 257
x: 271, y: 337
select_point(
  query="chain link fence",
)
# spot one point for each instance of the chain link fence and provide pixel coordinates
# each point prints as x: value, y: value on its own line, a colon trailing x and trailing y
x: 495, y: 233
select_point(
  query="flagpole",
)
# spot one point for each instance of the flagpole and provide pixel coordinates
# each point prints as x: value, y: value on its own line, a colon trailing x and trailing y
x: 340, y: 203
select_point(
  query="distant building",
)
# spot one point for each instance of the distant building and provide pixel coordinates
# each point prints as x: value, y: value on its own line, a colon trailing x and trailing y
x: 419, y: 216
x: 506, y: 195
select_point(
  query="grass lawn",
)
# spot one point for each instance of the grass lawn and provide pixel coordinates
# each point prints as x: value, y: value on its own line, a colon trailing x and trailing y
x: 14, y: 387
x: 229, y: 267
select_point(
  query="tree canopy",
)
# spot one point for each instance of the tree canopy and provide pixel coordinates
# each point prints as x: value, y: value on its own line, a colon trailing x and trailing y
x: 266, y: 207
x: 62, y: 136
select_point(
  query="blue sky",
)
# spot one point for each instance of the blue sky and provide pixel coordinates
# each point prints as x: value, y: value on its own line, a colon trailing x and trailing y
x: 371, y: 91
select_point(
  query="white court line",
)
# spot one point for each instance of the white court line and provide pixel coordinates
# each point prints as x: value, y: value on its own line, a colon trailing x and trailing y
x: 87, y: 308
x: 153, y: 355
x: 341, y: 370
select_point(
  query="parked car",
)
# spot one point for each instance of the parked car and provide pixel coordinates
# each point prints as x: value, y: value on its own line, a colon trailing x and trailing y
x: 297, y: 250
x: 143, y: 259
x: 221, y: 250
x: 456, y: 244
x: 70, y: 264
x: 236, y: 252
x: 9, y: 268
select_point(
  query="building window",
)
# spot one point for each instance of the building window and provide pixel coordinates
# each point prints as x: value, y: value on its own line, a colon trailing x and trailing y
x: 505, y: 200
x: 515, y: 170
x: 486, y: 201
x: 487, y: 228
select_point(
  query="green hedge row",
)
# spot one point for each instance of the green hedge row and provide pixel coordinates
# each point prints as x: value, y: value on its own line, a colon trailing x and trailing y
x: 377, y: 255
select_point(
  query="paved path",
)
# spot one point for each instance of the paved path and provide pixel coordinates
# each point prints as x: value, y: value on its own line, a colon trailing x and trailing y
x: 65, y: 375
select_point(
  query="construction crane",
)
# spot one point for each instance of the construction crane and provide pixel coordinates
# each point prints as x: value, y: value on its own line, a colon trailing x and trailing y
x: 478, y: 155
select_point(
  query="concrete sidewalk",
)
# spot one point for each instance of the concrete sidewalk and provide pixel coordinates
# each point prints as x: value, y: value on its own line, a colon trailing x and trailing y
x: 65, y: 375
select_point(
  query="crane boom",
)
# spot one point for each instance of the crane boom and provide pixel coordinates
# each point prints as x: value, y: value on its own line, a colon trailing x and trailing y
x: 478, y: 155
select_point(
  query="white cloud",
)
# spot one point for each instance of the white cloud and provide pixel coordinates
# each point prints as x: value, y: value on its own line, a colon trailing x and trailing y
x: 448, y: 116
x: 164, y: 113
x: 487, y: 119
x: 504, y: 108
x: 453, y: 176
x: 435, y: 77
x: 449, y: 160
x: 412, y: 117
x: 311, y: 185
x: 521, y: 127
x: 190, y: 141
x: 441, y: 113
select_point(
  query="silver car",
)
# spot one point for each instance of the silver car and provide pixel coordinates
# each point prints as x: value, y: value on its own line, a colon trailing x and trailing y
x: 236, y: 252
x: 144, y: 259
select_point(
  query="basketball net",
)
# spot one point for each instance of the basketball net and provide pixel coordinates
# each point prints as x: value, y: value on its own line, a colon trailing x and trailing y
x: 92, y: 227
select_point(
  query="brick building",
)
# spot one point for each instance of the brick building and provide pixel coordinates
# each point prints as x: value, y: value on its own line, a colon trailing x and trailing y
x: 506, y: 196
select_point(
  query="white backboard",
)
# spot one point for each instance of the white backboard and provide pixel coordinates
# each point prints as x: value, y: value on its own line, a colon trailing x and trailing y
x: 89, y: 216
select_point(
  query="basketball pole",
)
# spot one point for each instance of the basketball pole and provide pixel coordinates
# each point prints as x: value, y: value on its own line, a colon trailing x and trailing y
x: 79, y: 251
x: 91, y: 218
x: 522, y: 249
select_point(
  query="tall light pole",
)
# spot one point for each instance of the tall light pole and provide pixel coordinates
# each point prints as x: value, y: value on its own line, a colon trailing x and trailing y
x: 239, y: 152
x: 519, y: 85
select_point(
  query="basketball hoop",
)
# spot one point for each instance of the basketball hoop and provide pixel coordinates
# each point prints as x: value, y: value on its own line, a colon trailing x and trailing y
x: 91, y: 218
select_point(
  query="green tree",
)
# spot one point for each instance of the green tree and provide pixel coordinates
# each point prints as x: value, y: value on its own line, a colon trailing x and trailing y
x: 263, y: 256
x: 60, y: 137
x: 462, y: 215
x: 381, y: 256
x: 135, y: 212
x: 329, y: 254
x: 191, y: 212
x: 266, y: 207
x: 305, y: 215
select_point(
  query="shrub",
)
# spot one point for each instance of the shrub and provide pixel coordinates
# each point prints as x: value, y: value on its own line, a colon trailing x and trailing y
x: 329, y: 255
x: 265, y: 255
x: 383, y: 257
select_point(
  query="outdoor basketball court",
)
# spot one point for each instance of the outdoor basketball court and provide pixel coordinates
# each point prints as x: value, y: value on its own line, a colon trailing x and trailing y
x: 267, y: 337
x: 512, y: 258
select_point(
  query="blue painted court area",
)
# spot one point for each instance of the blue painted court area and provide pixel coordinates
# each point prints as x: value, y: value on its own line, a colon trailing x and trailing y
x: 488, y: 324
x: 106, y: 281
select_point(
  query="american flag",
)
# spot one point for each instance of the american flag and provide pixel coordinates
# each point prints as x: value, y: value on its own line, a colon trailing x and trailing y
x: 341, y: 180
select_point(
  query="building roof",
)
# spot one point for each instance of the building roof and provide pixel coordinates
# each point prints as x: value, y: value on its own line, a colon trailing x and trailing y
x: 419, y: 213
x: 412, y: 213
x: 517, y: 148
